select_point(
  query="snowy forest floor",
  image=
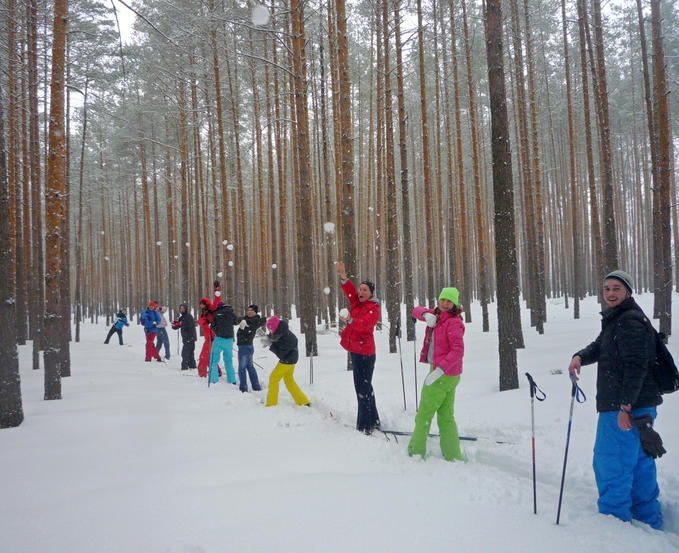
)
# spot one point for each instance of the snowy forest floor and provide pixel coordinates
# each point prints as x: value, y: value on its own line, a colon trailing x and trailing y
x: 143, y: 458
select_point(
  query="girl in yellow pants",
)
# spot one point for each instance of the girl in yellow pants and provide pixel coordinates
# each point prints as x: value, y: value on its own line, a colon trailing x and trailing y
x: 284, y: 345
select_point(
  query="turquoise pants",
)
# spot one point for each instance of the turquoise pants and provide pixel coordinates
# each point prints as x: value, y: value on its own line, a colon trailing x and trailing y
x: 220, y: 345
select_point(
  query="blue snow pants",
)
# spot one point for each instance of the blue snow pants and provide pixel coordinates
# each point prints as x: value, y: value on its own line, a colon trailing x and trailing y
x: 245, y: 353
x: 163, y: 340
x: 220, y: 345
x: 625, y: 475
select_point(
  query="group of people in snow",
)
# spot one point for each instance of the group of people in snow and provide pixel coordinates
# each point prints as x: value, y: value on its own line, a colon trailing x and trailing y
x: 627, y: 395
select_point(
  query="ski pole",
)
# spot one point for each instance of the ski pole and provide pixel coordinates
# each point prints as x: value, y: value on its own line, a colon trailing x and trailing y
x: 415, y: 364
x: 576, y: 395
x: 400, y: 358
x: 535, y: 393
x: 311, y: 369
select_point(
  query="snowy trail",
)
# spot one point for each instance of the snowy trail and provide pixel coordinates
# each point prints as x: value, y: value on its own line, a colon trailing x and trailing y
x: 141, y: 457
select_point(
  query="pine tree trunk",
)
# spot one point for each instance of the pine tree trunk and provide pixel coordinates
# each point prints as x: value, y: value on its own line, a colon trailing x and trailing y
x: 503, y: 193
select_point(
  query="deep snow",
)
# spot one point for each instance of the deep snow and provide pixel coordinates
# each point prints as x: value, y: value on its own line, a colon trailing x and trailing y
x: 142, y: 458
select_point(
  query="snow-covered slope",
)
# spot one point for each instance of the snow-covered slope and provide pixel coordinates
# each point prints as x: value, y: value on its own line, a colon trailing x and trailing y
x: 142, y: 458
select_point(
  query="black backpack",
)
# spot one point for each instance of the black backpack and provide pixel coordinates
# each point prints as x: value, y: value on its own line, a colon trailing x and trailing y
x: 664, y: 369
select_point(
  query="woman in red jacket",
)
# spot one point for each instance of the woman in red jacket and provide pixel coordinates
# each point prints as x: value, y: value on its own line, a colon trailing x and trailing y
x: 204, y: 321
x: 357, y: 338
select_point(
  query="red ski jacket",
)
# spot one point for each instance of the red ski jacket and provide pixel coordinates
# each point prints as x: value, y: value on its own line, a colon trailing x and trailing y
x: 357, y: 336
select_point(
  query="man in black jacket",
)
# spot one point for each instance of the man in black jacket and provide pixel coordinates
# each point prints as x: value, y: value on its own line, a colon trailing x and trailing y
x: 223, y: 319
x: 247, y: 329
x: 186, y: 325
x: 626, y: 394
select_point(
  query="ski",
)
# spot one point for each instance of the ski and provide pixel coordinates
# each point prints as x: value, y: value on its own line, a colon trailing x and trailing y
x: 462, y: 438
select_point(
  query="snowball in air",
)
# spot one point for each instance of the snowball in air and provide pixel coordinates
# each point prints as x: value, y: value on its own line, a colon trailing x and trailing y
x: 159, y: 243
x: 187, y: 244
x: 230, y: 263
x: 274, y: 266
x: 344, y: 313
x: 225, y: 242
x: 329, y: 227
x: 229, y: 247
x: 260, y: 15
x: 326, y: 290
x: 106, y: 258
x: 220, y: 274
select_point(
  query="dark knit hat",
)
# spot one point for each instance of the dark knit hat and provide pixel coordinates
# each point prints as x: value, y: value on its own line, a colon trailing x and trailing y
x: 370, y: 285
x: 254, y: 307
x: 623, y: 277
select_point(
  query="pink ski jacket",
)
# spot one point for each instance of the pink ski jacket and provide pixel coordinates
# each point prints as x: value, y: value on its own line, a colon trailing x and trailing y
x: 448, y: 335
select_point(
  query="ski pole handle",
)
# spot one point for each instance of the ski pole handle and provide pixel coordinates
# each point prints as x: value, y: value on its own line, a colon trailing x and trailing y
x: 535, y: 392
x: 576, y: 391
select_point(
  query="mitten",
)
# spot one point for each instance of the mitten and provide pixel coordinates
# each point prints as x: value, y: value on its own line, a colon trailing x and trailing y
x: 650, y: 439
x: 265, y: 341
x: 433, y: 376
x: 243, y: 324
x: 430, y: 319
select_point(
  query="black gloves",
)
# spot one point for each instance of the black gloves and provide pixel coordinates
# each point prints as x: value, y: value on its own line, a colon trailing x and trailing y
x: 650, y: 439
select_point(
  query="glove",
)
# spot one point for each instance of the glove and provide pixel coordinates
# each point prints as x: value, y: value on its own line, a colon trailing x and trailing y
x: 430, y: 319
x: 650, y: 439
x: 243, y: 324
x: 176, y: 324
x: 433, y: 376
x: 265, y: 341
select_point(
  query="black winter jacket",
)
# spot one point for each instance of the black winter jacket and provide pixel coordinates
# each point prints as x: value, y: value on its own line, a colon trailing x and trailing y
x: 223, y: 319
x: 245, y: 336
x: 187, y: 327
x: 284, y: 344
x: 624, y: 350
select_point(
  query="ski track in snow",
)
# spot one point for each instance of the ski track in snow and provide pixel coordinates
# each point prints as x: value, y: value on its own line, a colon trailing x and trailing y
x: 142, y: 457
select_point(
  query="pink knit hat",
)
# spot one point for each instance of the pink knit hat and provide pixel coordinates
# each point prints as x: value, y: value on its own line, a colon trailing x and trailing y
x: 272, y: 323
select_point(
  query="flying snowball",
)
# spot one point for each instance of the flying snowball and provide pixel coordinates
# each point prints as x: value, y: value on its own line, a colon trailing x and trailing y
x: 225, y: 242
x: 176, y: 257
x: 159, y: 243
x: 187, y: 244
x: 220, y: 274
x: 102, y: 232
x: 106, y: 258
x: 274, y: 266
x: 326, y: 290
x: 329, y: 227
x: 229, y: 247
x: 230, y: 263
x: 344, y: 313
x: 260, y: 15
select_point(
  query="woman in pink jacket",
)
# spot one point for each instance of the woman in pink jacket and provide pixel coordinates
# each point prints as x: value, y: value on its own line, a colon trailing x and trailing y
x: 443, y: 350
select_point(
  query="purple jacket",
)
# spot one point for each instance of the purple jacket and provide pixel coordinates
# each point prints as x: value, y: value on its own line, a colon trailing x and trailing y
x: 448, y: 337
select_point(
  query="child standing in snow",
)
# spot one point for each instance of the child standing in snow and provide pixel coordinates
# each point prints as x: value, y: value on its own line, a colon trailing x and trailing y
x: 443, y: 350
x: 284, y: 345
x: 163, y: 339
x: 117, y: 327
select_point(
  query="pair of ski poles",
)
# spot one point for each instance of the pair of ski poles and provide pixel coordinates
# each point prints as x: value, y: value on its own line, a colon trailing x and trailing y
x: 536, y: 393
x: 400, y: 356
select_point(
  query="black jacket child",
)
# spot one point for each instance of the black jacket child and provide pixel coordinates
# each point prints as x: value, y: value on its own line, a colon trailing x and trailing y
x: 223, y: 319
x: 284, y: 344
x: 187, y: 326
x: 245, y: 336
x: 624, y: 350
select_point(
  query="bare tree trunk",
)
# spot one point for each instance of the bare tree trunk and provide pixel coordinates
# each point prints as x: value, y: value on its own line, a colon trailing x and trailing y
x: 11, y: 410
x: 55, y: 199
x: 503, y: 193
x: 662, y: 118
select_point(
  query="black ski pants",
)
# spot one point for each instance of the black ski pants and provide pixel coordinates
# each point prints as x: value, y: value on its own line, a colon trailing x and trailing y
x: 113, y: 330
x: 188, y: 355
x: 363, y: 367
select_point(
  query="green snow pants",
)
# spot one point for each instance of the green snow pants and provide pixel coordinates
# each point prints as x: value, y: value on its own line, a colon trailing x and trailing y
x: 437, y: 398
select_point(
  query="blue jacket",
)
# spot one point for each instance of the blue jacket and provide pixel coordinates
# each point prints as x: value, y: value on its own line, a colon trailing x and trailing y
x: 121, y: 320
x: 150, y: 318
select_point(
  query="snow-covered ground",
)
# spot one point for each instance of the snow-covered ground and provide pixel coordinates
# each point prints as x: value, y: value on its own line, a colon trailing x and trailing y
x: 142, y: 458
